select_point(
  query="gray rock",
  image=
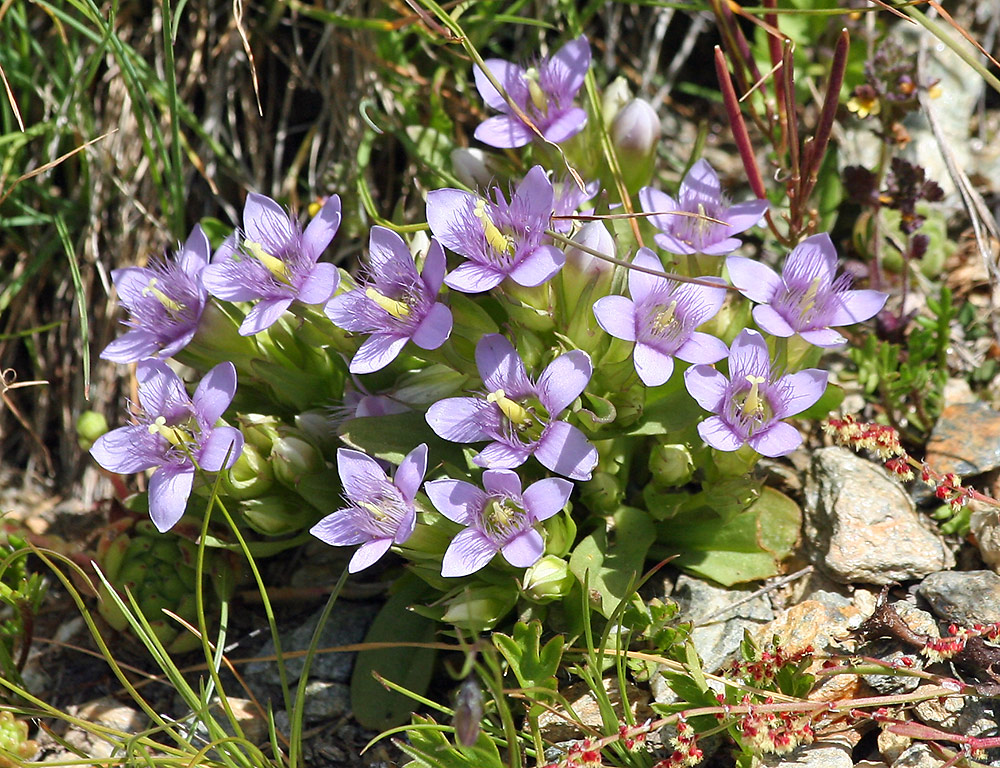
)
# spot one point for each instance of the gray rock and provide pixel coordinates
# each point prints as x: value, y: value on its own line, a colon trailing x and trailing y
x: 719, y: 617
x: 348, y: 624
x: 860, y: 526
x: 964, y: 597
x: 917, y: 756
x: 818, y: 755
x: 326, y: 701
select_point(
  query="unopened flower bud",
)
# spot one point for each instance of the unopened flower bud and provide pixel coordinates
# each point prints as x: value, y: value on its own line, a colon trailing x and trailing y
x: 615, y: 96
x: 586, y: 278
x: 278, y: 515
x: 468, y: 712
x: 472, y: 167
x: 602, y: 493
x: 548, y: 580
x: 90, y: 426
x: 671, y: 465
x: 560, y: 534
x: 292, y: 458
x: 250, y: 476
x: 635, y: 133
x: 259, y: 431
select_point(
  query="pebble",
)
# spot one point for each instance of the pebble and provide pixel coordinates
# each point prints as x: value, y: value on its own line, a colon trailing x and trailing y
x: 917, y: 756
x: 862, y: 527
x: 963, y: 597
x: 954, y: 447
x: 985, y: 526
x: 818, y: 755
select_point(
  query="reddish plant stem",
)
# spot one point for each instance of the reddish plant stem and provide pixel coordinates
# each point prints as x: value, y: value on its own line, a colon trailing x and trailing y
x: 738, y: 126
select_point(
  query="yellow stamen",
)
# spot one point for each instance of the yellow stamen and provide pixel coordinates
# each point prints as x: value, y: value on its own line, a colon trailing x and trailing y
x: 173, y: 435
x: 169, y: 304
x: 753, y: 403
x: 500, y: 516
x: 538, y: 97
x: 508, y: 407
x: 274, y: 265
x: 374, y: 510
x: 809, y: 299
x: 664, y: 317
x: 398, y: 309
x: 496, y: 239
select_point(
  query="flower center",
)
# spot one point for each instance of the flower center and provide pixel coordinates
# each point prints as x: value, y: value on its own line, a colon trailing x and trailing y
x: 496, y: 239
x: 502, y: 518
x: 526, y: 419
x: 173, y: 307
x: 753, y: 404
x: 278, y: 269
x: 398, y: 309
x: 538, y: 97
x: 176, y: 435
x: 807, y: 303
x: 664, y: 318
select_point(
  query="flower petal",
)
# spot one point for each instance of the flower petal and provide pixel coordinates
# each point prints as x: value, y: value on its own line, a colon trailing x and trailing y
x: 616, y: 315
x: 857, y: 306
x: 653, y: 366
x: 267, y: 223
x: 500, y: 366
x: 463, y: 419
x: 768, y: 318
x: 659, y: 203
x: 360, y: 475
x: 777, y: 440
x: 800, y: 390
x: 547, y: 497
x: 503, y: 132
x: 215, y: 392
x: 340, y: 529
x: 320, y: 231
x: 502, y: 482
x: 642, y: 284
x: 758, y: 282
x: 474, y: 277
x: 128, y: 449
x: 449, y: 212
x: 742, y: 216
x: 504, y: 72
x: 459, y: 501
x: 160, y: 389
x: 749, y: 356
x: 702, y: 348
x: 502, y: 455
x: 368, y: 553
x: 707, y: 386
x: 410, y: 473
x: 564, y: 449
x: 538, y: 267
x: 434, y: 268
x: 169, y: 489
x: 434, y: 329
x: 263, y: 315
x: 716, y: 433
x: 133, y: 345
x: 320, y: 284
x: 377, y: 351
x: 823, y: 337
x: 468, y: 552
x: 570, y: 64
x: 524, y: 550
x: 567, y: 125
x: 815, y: 256
x: 221, y: 449
x: 563, y: 380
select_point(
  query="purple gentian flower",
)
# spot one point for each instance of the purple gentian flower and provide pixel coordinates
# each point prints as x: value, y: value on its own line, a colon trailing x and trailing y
x: 498, y: 519
x: 275, y: 261
x: 499, y: 239
x: 661, y: 318
x: 701, y: 194
x: 750, y: 404
x: 380, y: 511
x: 544, y: 93
x: 394, y: 303
x: 164, y: 300
x: 519, y: 415
x: 169, y: 431
x: 805, y: 299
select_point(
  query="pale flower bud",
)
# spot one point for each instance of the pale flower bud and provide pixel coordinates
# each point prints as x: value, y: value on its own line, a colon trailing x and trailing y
x: 615, y: 96
x: 472, y: 167
x: 635, y: 133
x: 548, y: 580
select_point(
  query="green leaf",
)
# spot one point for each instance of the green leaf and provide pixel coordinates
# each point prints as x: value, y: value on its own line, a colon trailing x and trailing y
x: 429, y: 747
x: 610, y: 565
x: 375, y: 706
x: 533, y: 666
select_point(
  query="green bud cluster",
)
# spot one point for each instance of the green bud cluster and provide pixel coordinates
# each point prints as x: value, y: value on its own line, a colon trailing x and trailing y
x: 15, y: 746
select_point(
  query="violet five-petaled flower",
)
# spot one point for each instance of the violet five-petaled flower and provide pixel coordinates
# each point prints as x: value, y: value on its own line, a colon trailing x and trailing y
x: 164, y: 301
x: 379, y: 511
x: 520, y: 416
x: 749, y: 405
x: 701, y: 194
x: 543, y: 93
x: 275, y: 261
x: 806, y: 298
x: 661, y: 318
x: 394, y: 303
x: 498, y: 517
x: 498, y: 239
x: 172, y: 431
